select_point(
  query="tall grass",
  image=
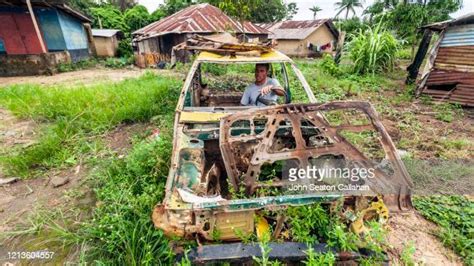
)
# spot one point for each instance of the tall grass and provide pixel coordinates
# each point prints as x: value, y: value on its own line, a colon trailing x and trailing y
x: 121, y: 231
x: 75, y: 117
x: 373, y: 50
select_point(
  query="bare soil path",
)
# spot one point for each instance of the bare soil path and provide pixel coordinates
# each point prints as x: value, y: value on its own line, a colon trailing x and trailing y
x: 88, y: 76
x: 411, y: 227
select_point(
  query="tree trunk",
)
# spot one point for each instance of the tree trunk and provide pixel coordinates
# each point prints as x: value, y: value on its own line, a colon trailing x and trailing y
x: 347, y: 12
x: 243, y: 29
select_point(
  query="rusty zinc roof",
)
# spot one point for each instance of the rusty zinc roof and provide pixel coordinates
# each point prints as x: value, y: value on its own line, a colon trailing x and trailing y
x: 200, y: 18
x: 60, y: 4
x: 297, y: 30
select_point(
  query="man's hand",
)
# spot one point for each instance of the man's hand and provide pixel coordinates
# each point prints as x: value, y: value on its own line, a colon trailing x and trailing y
x: 267, y: 89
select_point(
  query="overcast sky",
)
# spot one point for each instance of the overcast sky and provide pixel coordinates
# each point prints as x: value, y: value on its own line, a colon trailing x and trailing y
x: 327, y: 6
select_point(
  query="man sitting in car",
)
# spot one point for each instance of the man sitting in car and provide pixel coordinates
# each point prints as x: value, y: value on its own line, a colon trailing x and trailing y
x: 265, y: 87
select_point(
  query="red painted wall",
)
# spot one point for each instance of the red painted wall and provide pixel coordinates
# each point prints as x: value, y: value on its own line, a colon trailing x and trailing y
x: 18, y: 34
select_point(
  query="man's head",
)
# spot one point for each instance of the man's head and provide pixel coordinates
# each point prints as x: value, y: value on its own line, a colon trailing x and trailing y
x: 261, y: 72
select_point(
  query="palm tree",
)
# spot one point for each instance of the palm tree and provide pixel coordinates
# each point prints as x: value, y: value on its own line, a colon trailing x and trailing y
x: 315, y: 9
x: 348, y: 5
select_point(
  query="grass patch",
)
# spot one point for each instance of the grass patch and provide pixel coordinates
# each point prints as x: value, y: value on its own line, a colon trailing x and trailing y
x: 426, y: 170
x: 121, y: 231
x: 109, y: 62
x: 447, y: 112
x: 454, y: 216
x: 75, y: 118
x: 118, y: 231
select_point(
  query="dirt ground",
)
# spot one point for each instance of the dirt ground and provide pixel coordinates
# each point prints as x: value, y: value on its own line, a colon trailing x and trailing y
x: 87, y: 76
x: 24, y: 196
x: 412, y: 227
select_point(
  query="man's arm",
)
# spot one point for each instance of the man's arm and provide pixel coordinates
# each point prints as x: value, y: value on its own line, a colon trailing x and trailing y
x: 273, y: 86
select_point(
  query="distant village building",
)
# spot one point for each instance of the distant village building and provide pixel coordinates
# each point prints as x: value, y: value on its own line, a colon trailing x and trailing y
x: 36, y: 35
x: 106, y: 41
x: 448, y: 75
x: 154, y: 43
x: 304, y: 38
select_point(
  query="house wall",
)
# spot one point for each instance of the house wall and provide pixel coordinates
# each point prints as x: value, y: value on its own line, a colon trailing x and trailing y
x: 75, y: 36
x: 51, y: 28
x: 106, y: 46
x: 31, y: 64
x: 154, y: 50
x: 319, y: 37
x: 17, y: 32
x: 63, y: 32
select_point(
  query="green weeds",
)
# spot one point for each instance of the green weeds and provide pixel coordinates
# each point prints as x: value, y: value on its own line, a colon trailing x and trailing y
x: 318, y: 259
x: 407, y: 254
x: 75, y: 118
x: 447, y: 112
x: 110, y: 62
x: 373, y: 50
x: 454, y: 215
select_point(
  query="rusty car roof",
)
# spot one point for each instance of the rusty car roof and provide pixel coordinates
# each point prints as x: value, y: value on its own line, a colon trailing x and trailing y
x: 272, y: 56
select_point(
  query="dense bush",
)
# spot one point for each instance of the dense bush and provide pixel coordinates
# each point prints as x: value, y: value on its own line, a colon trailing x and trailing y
x: 373, y: 50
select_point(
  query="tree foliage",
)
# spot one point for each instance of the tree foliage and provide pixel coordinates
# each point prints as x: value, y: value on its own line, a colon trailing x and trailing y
x: 257, y: 11
x: 83, y: 5
x: 137, y: 17
x: 108, y: 17
x: 315, y: 9
x: 348, y: 6
x: 406, y: 19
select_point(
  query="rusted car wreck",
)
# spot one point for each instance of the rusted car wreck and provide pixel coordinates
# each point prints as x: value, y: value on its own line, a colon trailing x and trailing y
x: 221, y: 151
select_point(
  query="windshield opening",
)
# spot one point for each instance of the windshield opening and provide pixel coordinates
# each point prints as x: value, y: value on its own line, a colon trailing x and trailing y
x: 231, y: 85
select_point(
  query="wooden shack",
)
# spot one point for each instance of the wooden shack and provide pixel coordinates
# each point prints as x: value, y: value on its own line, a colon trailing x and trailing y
x: 448, y: 75
x: 153, y: 43
x: 106, y: 41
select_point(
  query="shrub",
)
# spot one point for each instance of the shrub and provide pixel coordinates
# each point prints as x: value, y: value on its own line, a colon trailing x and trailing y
x: 113, y: 62
x: 373, y: 50
x: 125, y: 48
x: 330, y: 67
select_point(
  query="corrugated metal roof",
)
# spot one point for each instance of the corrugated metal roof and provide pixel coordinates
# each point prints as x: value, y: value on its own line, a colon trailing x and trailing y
x: 270, y: 26
x: 104, y: 32
x: 60, y: 4
x: 201, y: 18
x: 297, y: 29
x: 302, y: 24
x: 458, y: 36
